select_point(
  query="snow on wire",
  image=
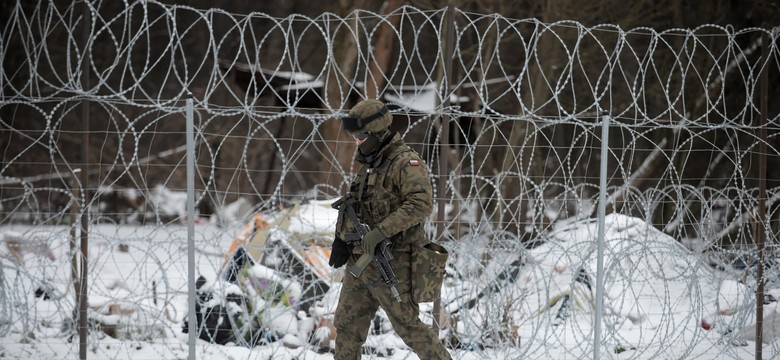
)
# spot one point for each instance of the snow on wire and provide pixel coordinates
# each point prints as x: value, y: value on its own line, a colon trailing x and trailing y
x: 521, y: 108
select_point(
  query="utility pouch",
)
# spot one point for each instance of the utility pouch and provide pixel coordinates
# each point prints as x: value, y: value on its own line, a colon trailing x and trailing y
x: 428, y: 267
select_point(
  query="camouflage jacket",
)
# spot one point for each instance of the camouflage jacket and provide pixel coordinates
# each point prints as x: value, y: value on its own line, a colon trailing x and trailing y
x: 394, y: 194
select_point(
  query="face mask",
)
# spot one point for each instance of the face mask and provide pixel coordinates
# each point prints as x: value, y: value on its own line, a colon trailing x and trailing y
x: 373, y: 143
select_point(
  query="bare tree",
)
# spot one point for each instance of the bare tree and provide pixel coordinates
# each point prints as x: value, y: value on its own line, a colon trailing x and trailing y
x: 376, y: 78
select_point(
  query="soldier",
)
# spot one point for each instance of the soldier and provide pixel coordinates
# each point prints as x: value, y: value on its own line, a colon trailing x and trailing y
x: 392, y: 194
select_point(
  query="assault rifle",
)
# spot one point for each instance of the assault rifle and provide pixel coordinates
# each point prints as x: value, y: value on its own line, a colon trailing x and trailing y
x: 382, y: 255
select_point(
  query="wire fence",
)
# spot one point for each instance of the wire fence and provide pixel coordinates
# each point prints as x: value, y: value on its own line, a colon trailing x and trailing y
x: 507, y: 114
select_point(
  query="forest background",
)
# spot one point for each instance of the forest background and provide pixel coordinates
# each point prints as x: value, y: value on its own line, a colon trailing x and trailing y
x: 262, y: 162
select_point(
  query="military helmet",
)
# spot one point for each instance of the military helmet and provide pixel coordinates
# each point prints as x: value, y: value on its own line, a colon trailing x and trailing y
x: 368, y: 116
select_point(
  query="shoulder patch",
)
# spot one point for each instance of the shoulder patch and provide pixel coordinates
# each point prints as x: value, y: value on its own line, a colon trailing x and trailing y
x: 414, y: 162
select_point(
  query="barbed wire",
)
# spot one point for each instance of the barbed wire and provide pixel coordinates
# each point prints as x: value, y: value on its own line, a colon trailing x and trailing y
x: 524, y: 102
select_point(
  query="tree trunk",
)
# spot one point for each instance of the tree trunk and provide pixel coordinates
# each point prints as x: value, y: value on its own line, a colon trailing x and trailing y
x: 376, y: 78
x: 528, y: 161
x: 341, y: 69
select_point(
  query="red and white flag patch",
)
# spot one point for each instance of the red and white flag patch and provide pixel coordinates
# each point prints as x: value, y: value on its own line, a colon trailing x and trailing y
x: 414, y: 163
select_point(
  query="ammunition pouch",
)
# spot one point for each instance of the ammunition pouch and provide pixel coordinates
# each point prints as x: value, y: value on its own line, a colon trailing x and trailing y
x: 428, y: 269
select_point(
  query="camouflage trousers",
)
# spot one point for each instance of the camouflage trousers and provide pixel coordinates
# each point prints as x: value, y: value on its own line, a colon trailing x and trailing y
x: 359, y: 301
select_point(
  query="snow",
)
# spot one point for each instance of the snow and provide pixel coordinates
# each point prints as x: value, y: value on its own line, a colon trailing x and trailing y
x: 314, y: 217
x: 169, y: 202
x: 657, y: 296
x: 423, y: 99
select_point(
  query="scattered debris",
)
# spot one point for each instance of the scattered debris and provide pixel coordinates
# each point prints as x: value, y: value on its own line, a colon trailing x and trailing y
x: 43, y: 291
x: 270, y: 286
x: 19, y: 244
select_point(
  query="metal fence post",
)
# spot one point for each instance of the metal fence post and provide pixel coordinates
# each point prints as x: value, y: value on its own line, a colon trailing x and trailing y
x: 600, y: 241
x: 83, y: 329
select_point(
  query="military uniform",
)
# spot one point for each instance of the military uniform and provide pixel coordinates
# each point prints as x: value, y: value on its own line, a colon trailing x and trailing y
x: 392, y: 193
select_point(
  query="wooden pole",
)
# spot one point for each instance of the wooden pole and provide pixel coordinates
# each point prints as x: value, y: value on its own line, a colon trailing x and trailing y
x: 72, y: 242
x: 445, y: 141
x: 760, y: 222
x: 192, y: 316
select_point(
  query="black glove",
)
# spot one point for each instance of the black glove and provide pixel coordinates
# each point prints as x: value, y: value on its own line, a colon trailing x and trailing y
x: 340, y: 253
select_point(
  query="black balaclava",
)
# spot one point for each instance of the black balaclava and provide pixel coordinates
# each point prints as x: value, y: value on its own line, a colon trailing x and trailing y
x: 374, y: 142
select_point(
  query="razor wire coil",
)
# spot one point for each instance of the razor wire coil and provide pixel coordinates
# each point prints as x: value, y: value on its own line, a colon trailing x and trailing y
x: 525, y: 98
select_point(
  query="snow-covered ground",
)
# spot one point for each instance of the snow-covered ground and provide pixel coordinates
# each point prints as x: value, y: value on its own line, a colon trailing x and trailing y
x: 505, y: 302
